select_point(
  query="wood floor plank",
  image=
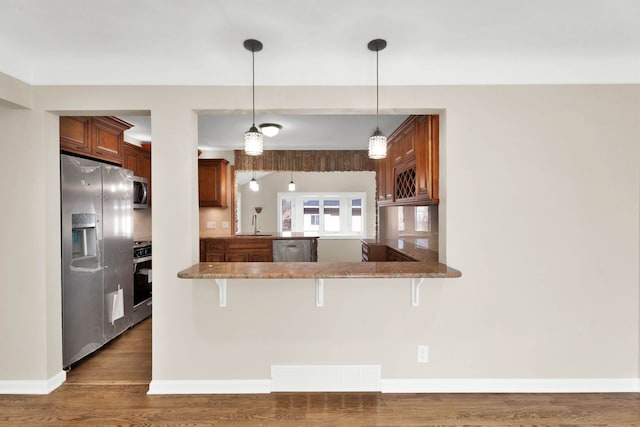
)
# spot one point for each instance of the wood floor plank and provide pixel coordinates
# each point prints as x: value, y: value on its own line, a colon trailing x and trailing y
x: 109, y: 388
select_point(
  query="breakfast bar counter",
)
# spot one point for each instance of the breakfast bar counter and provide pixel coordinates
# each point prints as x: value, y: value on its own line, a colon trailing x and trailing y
x: 220, y: 272
x: 317, y: 270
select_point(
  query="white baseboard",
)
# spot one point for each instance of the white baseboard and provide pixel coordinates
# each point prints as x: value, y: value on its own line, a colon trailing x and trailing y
x: 521, y: 385
x: 210, y: 387
x: 360, y: 378
x: 351, y: 378
x: 33, y: 386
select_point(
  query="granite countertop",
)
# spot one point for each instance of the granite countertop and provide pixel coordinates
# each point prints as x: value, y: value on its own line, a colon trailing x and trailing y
x: 269, y: 235
x: 317, y: 270
x: 417, y: 249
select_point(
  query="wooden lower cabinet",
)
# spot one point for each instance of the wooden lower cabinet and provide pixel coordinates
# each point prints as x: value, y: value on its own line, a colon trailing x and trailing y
x: 393, y: 255
x: 373, y: 252
x: 236, y: 250
x: 378, y: 252
x: 249, y: 249
x: 213, y: 257
x: 212, y: 250
x: 236, y: 257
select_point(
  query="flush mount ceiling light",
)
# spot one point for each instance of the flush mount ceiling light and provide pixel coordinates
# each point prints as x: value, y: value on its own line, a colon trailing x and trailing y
x: 270, y: 129
x: 253, y: 137
x: 377, y: 141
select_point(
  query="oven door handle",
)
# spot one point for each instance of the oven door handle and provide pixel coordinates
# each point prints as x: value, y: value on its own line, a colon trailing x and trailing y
x: 141, y: 259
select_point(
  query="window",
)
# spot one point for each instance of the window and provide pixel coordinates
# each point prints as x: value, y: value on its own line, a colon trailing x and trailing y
x: 328, y: 214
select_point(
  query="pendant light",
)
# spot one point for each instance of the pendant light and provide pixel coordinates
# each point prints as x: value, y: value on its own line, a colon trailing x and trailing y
x: 253, y: 137
x: 377, y: 141
x: 253, y: 184
x: 292, y: 185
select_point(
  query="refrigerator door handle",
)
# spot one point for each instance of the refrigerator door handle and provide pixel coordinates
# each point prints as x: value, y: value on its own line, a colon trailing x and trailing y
x: 85, y: 269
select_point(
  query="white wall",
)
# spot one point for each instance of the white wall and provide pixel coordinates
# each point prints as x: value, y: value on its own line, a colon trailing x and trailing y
x: 30, y: 318
x: 541, y: 197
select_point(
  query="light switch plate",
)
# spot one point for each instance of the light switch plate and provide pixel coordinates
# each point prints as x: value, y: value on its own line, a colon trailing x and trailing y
x: 225, y: 224
x: 211, y: 224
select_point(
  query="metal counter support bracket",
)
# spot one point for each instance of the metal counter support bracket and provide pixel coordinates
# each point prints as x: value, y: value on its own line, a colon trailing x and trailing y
x: 319, y: 292
x: 222, y: 292
x: 415, y: 291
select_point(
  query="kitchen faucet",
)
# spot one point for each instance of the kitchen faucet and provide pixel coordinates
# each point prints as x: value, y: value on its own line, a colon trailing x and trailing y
x: 254, y: 220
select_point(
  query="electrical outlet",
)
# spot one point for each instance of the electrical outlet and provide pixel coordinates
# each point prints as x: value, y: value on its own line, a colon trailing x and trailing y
x: 211, y: 224
x: 423, y: 354
x: 225, y: 224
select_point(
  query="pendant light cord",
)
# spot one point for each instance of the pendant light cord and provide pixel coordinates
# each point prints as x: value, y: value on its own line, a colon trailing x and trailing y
x: 377, y: 95
x: 253, y: 86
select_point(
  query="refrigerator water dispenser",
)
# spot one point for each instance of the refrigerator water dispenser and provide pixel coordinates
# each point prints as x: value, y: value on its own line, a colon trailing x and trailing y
x: 83, y: 236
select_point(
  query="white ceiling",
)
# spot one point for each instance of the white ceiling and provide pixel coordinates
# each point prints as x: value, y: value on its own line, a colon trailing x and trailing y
x: 299, y: 132
x: 320, y: 42
x: 316, y: 42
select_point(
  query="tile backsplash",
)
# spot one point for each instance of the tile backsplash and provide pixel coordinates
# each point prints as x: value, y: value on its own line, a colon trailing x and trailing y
x: 416, y: 223
x: 142, y: 224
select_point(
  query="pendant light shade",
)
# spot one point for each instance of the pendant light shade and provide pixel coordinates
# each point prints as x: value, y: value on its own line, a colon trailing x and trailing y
x: 253, y: 137
x: 377, y: 145
x: 253, y: 184
x: 253, y: 142
x: 292, y: 185
x: 377, y: 141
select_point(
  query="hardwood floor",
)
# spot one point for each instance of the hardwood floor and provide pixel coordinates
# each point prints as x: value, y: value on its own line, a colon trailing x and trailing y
x: 110, y: 388
x: 125, y: 360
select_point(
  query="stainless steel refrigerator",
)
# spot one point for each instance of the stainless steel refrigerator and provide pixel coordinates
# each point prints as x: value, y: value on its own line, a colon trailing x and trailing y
x: 97, y: 255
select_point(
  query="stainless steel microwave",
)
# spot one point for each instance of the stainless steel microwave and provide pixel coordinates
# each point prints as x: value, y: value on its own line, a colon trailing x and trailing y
x: 140, y: 192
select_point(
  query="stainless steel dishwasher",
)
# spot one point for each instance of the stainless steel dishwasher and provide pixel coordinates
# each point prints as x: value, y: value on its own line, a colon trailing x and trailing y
x: 298, y: 250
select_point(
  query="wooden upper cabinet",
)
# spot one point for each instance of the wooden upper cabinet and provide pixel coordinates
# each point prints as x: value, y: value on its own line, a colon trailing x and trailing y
x: 100, y: 138
x: 388, y: 181
x: 407, y: 144
x: 75, y: 134
x: 381, y: 184
x: 394, y: 151
x: 144, y: 164
x: 108, y: 138
x: 401, y: 144
x: 130, y: 158
x: 427, y: 158
x: 410, y: 173
x: 138, y: 159
x: 212, y: 182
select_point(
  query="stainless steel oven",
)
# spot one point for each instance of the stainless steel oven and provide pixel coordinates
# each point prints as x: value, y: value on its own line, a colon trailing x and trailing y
x: 142, y: 281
